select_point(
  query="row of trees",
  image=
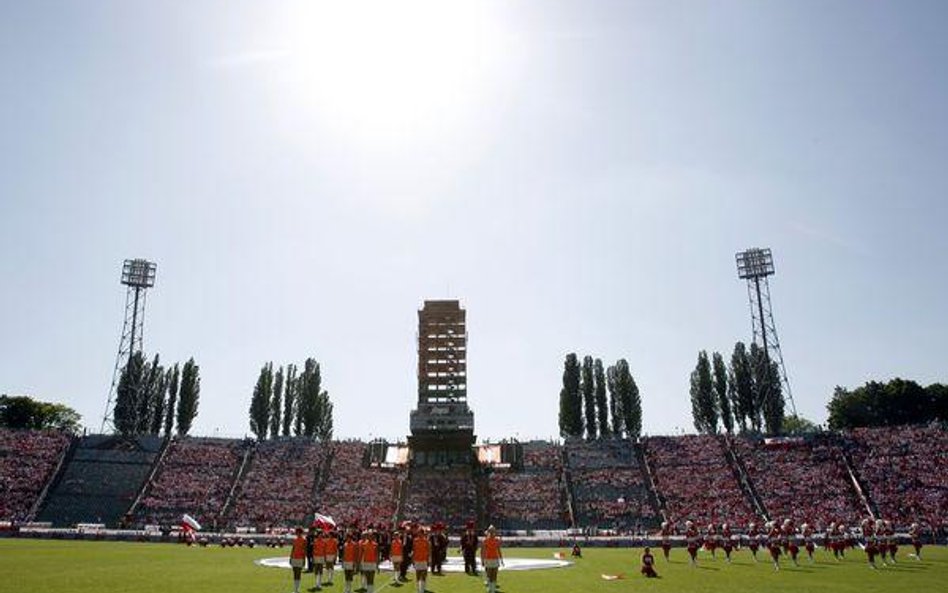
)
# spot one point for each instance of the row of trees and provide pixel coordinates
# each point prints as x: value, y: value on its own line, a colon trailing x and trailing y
x: 151, y: 399
x: 22, y: 411
x: 286, y: 400
x: 888, y: 404
x: 585, y: 408
x: 748, y: 395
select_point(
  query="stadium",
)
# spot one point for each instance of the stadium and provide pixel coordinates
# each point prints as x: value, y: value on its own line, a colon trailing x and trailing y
x: 708, y: 500
x: 440, y: 296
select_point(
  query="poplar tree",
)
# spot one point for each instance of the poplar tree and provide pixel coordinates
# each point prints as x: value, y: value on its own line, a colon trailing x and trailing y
x: 571, y: 404
x: 160, y: 391
x: 721, y: 393
x: 124, y: 415
x: 289, y: 399
x: 602, y: 405
x: 615, y: 402
x: 741, y: 387
x: 703, y: 408
x: 174, y: 375
x: 188, y: 397
x: 631, y: 402
x: 260, y: 402
x: 276, y: 404
x: 589, y: 397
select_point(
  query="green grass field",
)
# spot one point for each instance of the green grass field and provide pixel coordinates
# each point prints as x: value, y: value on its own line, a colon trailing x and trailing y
x: 34, y: 566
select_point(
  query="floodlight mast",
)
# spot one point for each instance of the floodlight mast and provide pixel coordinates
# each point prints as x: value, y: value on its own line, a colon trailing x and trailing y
x: 755, y: 265
x: 138, y: 275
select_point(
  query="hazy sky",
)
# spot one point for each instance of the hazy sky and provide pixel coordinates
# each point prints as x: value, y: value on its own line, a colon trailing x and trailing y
x: 578, y: 174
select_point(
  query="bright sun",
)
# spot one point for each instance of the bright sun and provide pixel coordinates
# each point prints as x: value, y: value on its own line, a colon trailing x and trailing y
x: 394, y: 68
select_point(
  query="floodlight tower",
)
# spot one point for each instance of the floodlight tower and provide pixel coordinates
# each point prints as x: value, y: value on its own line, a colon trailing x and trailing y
x: 755, y: 265
x: 138, y: 275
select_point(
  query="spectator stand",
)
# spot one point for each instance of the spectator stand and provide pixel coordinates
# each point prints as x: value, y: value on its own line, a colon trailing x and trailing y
x: 696, y: 482
x: 658, y: 502
x: 159, y: 462
x: 354, y: 493
x: 905, y: 469
x: 196, y: 477
x: 100, y: 480
x: 801, y: 478
x: 609, y: 486
x: 529, y: 498
x: 277, y: 485
x: 238, y: 479
x: 28, y: 461
x: 53, y: 477
x: 441, y: 494
x: 743, y: 478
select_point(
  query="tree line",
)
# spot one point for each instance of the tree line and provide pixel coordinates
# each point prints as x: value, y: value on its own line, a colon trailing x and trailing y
x: 597, y: 402
x: 888, y: 404
x: 24, y: 412
x: 152, y: 399
x: 746, y: 395
x: 287, y: 401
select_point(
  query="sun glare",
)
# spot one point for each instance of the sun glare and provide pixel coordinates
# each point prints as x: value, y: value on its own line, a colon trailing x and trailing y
x: 392, y: 70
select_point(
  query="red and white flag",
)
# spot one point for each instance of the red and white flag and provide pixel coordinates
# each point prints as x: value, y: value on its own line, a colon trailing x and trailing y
x: 190, y: 523
x: 324, y: 522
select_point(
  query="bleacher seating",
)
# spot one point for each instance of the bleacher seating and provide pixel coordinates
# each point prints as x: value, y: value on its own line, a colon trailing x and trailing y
x: 278, y: 488
x: 902, y: 469
x: 195, y: 477
x: 447, y: 495
x: 531, y: 498
x: 806, y: 481
x: 356, y: 494
x: 101, y: 480
x: 698, y: 484
x: 28, y: 459
x: 609, y: 485
x: 905, y: 469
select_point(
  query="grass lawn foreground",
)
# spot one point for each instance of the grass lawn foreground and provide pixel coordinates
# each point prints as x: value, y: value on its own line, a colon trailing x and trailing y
x: 39, y: 566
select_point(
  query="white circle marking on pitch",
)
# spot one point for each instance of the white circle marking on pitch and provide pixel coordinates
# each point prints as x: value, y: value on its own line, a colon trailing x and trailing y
x: 452, y: 564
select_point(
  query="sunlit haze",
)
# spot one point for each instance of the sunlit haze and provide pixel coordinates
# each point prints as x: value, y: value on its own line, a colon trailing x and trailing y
x: 579, y: 175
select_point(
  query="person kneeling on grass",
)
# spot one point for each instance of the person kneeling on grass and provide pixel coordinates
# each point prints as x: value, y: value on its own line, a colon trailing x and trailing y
x: 648, y: 564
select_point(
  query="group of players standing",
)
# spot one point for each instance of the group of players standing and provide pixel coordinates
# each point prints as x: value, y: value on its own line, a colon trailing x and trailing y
x: 876, y: 538
x: 410, y: 546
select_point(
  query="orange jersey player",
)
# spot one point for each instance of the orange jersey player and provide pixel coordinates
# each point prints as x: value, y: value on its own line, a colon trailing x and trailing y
x: 350, y: 559
x: 332, y: 551
x: 421, y: 556
x: 370, y: 559
x: 319, y: 558
x: 298, y: 558
x: 492, y: 558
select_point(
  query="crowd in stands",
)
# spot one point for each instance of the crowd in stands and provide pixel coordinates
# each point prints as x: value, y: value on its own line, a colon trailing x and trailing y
x: 195, y: 477
x: 354, y: 493
x: 905, y: 469
x: 531, y: 498
x: 806, y: 481
x: 609, y: 485
x: 279, y: 486
x: 27, y: 461
x: 447, y: 495
x: 696, y: 480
